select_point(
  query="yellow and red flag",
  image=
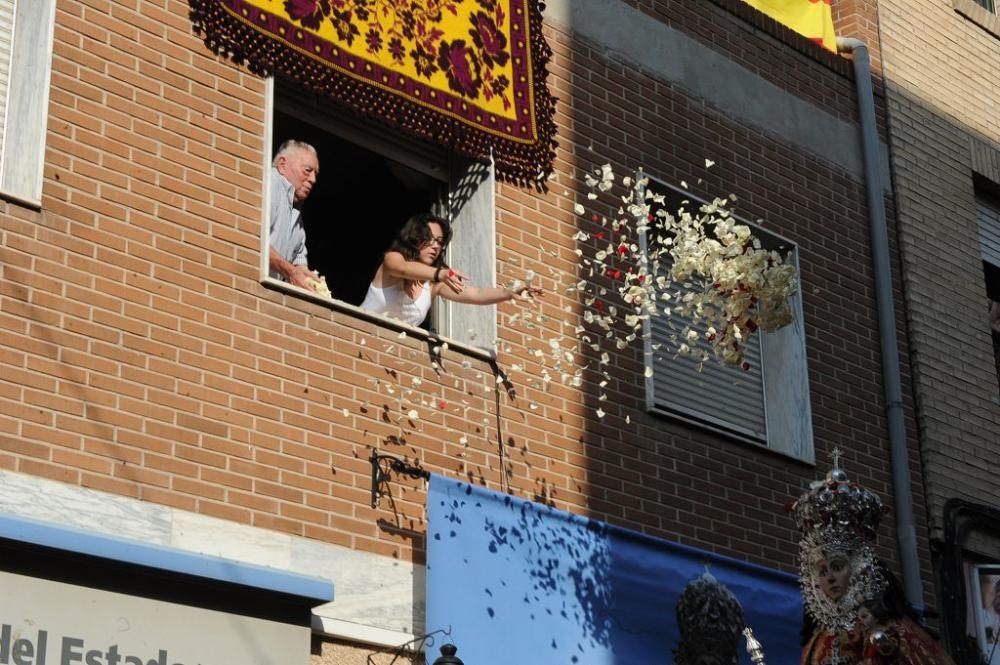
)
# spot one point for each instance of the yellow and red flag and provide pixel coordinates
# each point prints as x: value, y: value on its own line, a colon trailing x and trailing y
x: 810, y: 18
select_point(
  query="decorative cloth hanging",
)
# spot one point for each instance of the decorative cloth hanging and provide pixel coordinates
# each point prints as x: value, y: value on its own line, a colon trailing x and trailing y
x: 469, y: 74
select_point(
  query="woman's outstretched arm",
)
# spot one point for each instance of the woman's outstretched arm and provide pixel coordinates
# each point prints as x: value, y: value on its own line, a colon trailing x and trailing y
x: 473, y: 295
x: 395, y: 265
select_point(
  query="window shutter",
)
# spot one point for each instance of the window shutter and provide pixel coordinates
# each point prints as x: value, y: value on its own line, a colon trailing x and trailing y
x: 716, y: 394
x: 6, y: 47
x: 989, y: 231
x: 26, y: 97
x: 472, y: 250
x: 786, y: 386
x: 767, y: 404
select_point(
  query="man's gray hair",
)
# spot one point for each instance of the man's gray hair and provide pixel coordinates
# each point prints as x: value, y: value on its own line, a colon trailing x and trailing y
x: 290, y: 145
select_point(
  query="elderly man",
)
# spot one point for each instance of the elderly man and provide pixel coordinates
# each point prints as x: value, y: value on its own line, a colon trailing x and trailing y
x: 292, y: 178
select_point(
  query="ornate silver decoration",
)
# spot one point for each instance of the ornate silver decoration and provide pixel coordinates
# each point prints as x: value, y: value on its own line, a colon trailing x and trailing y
x: 838, y: 519
x: 711, y: 622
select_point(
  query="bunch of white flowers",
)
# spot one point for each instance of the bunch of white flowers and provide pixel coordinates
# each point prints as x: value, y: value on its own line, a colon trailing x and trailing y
x: 703, y: 265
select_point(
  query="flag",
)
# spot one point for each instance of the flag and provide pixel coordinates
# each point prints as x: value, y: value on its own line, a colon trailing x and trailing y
x: 810, y: 18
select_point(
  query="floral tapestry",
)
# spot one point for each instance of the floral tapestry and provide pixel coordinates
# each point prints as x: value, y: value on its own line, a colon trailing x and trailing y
x: 466, y: 73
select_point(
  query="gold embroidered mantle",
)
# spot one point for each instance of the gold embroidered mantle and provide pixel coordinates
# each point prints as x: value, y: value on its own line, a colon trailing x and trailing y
x: 466, y: 73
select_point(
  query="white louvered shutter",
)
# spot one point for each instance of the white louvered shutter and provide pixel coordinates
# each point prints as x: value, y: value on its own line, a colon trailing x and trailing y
x: 710, y: 392
x: 768, y: 404
x: 27, y: 59
x: 472, y: 197
x: 7, y: 8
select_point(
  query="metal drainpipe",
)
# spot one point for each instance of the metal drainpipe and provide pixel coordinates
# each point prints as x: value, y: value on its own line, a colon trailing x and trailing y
x: 892, y: 384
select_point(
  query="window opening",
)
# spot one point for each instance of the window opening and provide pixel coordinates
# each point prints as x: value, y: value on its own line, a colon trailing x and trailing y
x: 767, y: 404
x: 368, y: 186
x: 371, y: 180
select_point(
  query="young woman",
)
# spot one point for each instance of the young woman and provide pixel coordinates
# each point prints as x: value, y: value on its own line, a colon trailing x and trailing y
x: 413, y: 273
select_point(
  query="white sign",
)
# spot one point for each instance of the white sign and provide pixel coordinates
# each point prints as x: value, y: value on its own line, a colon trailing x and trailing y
x: 51, y: 623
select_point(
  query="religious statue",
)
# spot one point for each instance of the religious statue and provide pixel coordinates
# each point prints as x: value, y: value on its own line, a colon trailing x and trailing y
x: 857, y: 613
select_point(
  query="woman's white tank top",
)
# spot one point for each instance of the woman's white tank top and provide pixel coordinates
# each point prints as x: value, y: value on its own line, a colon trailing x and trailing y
x: 392, y: 301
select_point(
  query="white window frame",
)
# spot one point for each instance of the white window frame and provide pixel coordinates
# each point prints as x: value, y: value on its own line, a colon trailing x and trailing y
x: 472, y: 214
x: 784, y: 372
x: 26, y: 99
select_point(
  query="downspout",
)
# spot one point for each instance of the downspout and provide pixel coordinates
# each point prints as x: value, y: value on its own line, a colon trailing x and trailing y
x: 891, y: 381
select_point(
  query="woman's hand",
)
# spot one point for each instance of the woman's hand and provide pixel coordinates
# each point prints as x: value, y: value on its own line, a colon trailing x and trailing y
x: 453, y: 279
x: 523, y: 290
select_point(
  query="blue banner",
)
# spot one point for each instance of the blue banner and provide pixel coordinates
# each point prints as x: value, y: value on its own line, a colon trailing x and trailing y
x: 519, y: 582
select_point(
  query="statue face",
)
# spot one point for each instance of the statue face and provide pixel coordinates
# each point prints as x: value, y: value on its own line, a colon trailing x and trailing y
x: 834, y: 575
x: 865, y: 616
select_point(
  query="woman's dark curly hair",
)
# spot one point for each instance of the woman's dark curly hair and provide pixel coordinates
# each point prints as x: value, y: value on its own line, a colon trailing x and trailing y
x: 417, y: 231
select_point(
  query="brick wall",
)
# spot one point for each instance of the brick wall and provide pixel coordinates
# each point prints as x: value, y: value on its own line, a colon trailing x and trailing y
x: 142, y: 356
x: 943, y: 90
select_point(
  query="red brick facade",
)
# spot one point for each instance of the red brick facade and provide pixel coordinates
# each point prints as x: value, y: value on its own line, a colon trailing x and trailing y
x: 142, y: 356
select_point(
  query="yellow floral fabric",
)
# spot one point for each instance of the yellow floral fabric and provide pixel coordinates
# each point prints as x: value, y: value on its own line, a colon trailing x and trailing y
x: 467, y: 73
